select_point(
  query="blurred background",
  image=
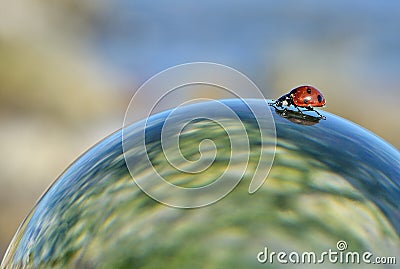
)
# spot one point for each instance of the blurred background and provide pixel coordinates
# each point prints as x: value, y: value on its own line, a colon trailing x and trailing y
x: 68, y: 69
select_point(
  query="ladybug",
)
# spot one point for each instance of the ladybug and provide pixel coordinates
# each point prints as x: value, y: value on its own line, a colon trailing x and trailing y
x: 306, y: 97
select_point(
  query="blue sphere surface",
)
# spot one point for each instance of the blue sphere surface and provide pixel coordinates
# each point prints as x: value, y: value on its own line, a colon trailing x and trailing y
x: 331, y: 181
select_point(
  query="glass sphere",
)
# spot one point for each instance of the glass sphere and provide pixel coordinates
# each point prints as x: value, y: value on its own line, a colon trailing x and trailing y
x: 332, y: 182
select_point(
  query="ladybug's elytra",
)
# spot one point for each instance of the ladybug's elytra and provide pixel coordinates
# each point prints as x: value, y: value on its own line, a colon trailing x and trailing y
x: 306, y: 97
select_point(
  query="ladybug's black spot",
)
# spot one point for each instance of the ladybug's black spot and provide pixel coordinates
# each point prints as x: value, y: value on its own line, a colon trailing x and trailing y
x: 319, y: 98
x: 305, y: 101
x: 308, y: 90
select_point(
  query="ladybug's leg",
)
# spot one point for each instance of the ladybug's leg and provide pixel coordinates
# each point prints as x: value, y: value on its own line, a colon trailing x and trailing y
x: 284, y: 111
x: 319, y: 114
x: 301, y: 112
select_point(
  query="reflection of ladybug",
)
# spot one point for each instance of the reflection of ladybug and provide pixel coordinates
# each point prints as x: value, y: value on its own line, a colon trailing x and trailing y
x: 294, y: 117
x: 306, y: 97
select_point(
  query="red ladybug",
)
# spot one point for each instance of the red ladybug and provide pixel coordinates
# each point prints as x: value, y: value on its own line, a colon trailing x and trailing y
x: 306, y: 97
